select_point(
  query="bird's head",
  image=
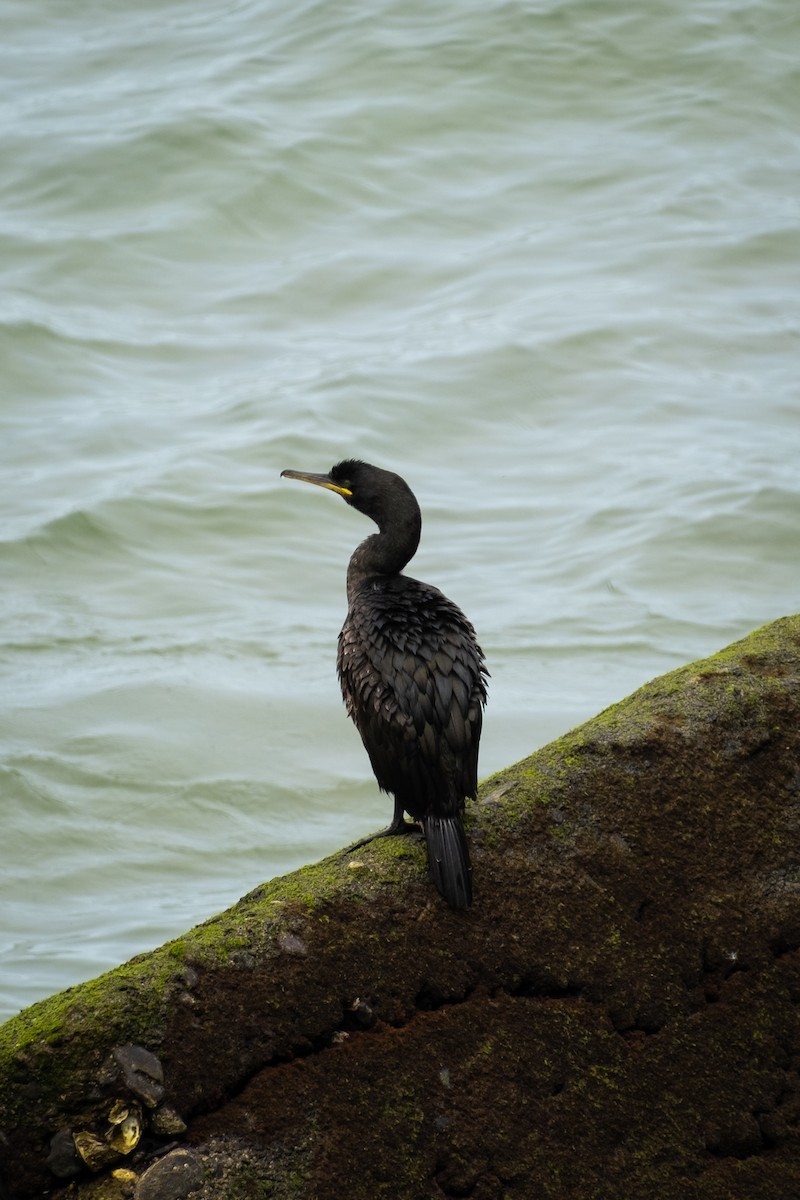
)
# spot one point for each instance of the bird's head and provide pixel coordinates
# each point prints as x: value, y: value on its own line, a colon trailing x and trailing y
x: 379, y: 494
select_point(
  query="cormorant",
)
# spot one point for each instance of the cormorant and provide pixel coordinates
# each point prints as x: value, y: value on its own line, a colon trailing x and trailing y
x: 411, y: 673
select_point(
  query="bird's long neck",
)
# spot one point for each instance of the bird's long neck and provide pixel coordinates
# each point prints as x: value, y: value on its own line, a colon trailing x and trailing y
x: 388, y: 551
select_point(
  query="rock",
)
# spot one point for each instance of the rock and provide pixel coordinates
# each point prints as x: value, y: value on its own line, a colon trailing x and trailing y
x: 171, y: 1177
x: 617, y: 1016
x: 290, y: 943
x: 166, y: 1122
x: 140, y: 1072
x: 363, y: 1014
x: 63, y: 1159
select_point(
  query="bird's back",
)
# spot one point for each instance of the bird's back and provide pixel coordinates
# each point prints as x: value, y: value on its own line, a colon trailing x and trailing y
x: 412, y: 678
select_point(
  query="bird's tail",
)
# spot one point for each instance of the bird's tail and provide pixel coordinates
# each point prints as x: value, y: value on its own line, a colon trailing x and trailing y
x: 448, y: 859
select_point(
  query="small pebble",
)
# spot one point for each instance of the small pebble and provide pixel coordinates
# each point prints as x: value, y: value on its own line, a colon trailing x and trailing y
x: 244, y: 960
x: 142, y: 1073
x: 63, y: 1159
x: 171, y: 1177
x: 166, y: 1122
x: 362, y: 1012
x: 290, y: 943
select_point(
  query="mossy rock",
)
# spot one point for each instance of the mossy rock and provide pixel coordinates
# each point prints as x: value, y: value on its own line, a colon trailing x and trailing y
x: 616, y: 1016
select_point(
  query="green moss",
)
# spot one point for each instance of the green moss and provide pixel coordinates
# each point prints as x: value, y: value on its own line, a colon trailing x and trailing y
x: 56, y: 1020
x: 128, y: 1003
x: 53, y: 1039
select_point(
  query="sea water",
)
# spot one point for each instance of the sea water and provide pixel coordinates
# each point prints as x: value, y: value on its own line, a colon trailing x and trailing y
x: 542, y: 259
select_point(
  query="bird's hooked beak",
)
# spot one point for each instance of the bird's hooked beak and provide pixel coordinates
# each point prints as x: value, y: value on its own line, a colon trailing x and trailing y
x: 320, y: 480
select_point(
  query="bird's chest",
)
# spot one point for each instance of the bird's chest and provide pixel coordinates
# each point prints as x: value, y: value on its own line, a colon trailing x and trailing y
x: 383, y: 643
x: 380, y: 641
x: 378, y: 628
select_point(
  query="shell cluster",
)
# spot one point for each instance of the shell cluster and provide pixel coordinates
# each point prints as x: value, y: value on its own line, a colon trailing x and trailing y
x: 134, y: 1077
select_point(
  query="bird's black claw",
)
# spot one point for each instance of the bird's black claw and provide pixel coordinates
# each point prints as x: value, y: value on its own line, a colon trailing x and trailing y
x: 396, y: 829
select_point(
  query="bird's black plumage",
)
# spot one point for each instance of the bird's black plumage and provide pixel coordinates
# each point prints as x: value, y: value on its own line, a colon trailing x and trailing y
x: 412, y: 674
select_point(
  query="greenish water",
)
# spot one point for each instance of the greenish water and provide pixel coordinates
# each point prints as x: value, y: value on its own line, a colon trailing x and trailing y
x: 541, y: 259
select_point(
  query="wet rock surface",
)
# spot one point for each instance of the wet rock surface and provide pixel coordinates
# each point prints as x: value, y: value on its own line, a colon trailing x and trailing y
x: 617, y: 1016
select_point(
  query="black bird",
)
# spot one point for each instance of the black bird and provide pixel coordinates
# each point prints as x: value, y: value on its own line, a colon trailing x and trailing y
x: 412, y: 675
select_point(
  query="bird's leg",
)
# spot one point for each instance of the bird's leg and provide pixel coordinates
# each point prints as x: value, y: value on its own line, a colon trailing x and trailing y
x: 398, y: 826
